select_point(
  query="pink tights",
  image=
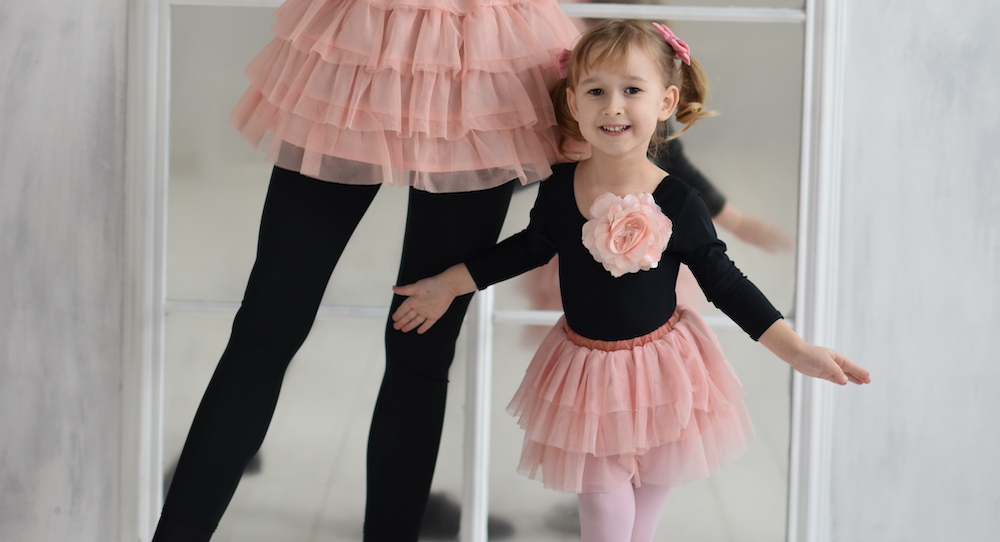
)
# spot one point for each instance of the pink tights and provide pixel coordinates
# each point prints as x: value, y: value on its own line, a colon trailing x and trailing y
x: 625, y: 514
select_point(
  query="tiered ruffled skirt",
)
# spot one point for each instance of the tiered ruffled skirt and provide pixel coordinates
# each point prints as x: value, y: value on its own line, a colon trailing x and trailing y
x: 443, y: 95
x: 665, y: 408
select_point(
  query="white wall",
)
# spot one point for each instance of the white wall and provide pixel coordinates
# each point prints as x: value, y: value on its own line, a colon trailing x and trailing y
x: 916, y: 452
x: 61, y: 233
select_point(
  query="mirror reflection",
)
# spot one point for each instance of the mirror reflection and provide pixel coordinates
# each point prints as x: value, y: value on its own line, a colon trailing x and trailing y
x: 307, y: 483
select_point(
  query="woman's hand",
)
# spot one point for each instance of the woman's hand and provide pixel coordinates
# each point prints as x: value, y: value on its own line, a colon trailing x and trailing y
x: 428, y: 299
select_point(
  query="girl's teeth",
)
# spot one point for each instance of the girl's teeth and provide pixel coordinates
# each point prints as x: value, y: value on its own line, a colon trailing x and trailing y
x: 615, y: 129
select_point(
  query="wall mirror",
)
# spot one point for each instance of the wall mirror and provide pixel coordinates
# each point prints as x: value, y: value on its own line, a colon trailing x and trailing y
x: 308, y: 482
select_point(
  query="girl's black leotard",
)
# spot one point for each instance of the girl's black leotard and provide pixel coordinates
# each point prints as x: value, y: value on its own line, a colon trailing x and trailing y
x: 599, y: 306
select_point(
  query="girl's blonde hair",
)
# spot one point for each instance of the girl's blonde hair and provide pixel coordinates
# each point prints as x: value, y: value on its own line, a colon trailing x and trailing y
x: 612, y: 41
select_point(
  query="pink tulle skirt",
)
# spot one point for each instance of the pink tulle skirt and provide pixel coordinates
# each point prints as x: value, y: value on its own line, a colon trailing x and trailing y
x: 443, y: 95
x: 665, y: 408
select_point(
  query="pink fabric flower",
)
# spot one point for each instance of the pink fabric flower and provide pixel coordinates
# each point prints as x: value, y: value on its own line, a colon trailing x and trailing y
x: 626, y: 234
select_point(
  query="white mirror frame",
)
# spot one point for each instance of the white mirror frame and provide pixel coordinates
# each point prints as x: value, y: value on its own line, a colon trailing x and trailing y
x: 147, y: 98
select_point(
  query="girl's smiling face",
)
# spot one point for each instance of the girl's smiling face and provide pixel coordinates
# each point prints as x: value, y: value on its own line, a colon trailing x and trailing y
x: 618, y: 107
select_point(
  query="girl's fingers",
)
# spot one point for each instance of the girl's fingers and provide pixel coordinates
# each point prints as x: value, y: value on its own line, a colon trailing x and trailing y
x: 398, y: 320
x: 405, y: 290
x: 401, y: 312
x: 404, y: 319
x: 426, y: 325
x: 412, y: 320
x: 833, y: 366
x: 836, y: 375
x: 861, y: 377
x: 855, y: 373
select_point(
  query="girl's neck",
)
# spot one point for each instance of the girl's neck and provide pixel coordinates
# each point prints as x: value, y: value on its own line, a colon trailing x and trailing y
x: 597, y: 176
x: 600, y: 174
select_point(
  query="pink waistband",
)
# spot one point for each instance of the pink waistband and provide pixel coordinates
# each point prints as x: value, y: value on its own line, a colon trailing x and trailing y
x: 624, y: 344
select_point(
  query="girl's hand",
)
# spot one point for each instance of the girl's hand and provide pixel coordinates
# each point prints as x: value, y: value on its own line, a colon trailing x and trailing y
x: 829, y: 365
x: 428, y: 299
x: 754, y: 230
x: 812, y: 360
x: 575, y: 151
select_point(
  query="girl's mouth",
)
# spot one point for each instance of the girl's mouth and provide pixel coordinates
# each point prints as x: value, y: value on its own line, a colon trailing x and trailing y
x: 614, y: 130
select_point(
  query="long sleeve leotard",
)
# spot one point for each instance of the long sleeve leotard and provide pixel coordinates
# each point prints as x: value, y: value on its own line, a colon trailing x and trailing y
x: 599, y: 306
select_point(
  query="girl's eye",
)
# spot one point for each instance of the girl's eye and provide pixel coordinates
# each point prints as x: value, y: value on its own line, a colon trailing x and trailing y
x: 595, y: 92
x: 632, y: 90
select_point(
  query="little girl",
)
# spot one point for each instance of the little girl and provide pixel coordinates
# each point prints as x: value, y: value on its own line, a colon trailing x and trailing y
x: 628, y: 395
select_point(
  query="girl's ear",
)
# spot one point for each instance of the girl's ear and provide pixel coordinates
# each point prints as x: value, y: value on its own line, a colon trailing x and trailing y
x: 669, y: 104
x: 571, y: 102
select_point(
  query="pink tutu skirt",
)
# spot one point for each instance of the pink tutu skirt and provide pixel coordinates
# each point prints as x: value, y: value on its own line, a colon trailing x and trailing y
x: 665, y: 408
x: 443, y: 95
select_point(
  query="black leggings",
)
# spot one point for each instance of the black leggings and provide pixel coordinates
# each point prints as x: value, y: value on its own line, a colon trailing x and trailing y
x: 304, y: 228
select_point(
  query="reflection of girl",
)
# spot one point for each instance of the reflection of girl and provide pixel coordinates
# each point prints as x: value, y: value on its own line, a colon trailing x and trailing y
x: 448, y: 98
x: 629, y: 394
x: 749, y: 228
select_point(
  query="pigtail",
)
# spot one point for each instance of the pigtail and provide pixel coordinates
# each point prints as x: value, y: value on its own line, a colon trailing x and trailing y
x: 569, y: 129
x: 693, y: 95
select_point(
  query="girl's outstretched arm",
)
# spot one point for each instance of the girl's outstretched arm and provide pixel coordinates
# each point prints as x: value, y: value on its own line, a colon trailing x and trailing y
x: 429, y: 298
x: 753, y: 230
x: 809, y: 359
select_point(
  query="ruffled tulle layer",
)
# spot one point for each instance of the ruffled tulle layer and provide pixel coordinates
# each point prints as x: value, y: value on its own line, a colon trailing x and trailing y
x: 665, y: 409
x: 445, y: 96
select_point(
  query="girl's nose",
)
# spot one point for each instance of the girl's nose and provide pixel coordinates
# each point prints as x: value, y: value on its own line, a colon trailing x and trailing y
x: 614, y: 105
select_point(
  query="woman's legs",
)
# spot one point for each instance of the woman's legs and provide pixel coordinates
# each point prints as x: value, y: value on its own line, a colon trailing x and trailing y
x: 623, y: 514
x: 305, y: 226
x: 441, y: 230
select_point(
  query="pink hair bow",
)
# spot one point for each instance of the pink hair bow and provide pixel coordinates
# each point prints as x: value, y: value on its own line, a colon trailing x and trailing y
x: 681, y: 48
x: 562, y: 63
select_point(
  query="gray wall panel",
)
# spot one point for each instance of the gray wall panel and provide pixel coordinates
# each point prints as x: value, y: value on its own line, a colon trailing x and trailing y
x: 61, y: 234
x: 915, y: 452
